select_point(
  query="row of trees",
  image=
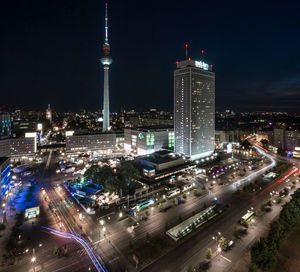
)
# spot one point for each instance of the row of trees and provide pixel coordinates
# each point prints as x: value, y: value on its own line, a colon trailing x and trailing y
x: 120, y: 181
x: 264, y: 251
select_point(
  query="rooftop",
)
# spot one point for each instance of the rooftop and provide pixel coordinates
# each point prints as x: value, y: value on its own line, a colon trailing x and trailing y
x: 161, y: 156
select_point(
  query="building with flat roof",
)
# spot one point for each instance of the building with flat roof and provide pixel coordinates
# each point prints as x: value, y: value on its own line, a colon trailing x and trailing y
x: 100, y: 143
x: 163, y: 163
x: 148, y: 140
x: 16, y: 148
x: 194, y: 109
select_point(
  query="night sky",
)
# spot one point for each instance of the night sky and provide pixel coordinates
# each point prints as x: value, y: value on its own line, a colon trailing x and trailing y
x: 50, y: 51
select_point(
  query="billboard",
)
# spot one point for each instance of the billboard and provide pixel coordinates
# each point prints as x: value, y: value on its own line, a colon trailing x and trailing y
x: 32, y: 212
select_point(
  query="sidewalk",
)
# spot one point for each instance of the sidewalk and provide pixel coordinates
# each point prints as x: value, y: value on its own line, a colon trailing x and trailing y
x: 240, y: 254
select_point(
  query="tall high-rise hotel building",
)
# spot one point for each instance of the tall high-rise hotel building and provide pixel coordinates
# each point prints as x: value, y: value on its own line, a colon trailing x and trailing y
x: 194, y: 109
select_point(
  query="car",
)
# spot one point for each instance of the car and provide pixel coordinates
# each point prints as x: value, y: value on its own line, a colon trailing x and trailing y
x: 135, y: 225
x: 230, y: 243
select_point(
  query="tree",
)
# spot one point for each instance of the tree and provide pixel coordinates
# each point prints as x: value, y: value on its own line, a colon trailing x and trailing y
x: 223, y: 243
x: 208, y: 254
x: 111, y: 184
x: 262, y: 256
x: 129, y: 172
x: 246, y: 144
x: 91, y: 172
x: 264, y: 142
x: 236, y: 234
x: 148, y: 237
x: 252, y: 268
x: 190, y: 268
x: 281, y: 151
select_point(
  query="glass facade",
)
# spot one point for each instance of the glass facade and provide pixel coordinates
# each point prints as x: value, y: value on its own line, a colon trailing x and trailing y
x: 150, y: 139
x: 171, y: 140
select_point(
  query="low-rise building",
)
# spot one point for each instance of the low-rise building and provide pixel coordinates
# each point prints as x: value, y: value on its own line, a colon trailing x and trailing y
x: 100, y: 143
x: 162, y: 164
x: 16, y: 148
x: 148, y: 140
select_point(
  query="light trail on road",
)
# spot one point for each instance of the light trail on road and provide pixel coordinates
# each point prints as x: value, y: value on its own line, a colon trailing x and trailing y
x: 98, y: 263
x: 257, y: 173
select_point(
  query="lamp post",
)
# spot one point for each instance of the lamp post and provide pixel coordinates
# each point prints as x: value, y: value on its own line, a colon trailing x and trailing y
x: 33, y: 259
x: 216, y: 239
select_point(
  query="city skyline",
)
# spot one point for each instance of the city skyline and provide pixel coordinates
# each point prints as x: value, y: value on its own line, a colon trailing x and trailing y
x: 62, y: 45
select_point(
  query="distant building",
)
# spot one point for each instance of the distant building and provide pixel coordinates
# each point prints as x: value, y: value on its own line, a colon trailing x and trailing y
x: 278, y: 137
x: 49, y: 114
x: 287, y: 139
x: 5, y: 125
x: 5, y: 174
x: 194, y: 109
x: 101, y: 143
x: 147, y: 140
x: 226, y: 136
x: 16, y: 148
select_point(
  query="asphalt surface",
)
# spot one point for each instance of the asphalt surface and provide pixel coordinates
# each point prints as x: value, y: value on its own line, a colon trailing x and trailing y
x: 112, y: 243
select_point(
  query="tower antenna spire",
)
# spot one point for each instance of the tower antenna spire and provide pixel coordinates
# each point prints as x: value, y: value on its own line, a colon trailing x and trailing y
x: 106, y: 21
x: 186, y: 50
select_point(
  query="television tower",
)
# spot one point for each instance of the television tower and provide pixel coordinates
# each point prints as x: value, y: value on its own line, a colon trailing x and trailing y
x: 106, y: 60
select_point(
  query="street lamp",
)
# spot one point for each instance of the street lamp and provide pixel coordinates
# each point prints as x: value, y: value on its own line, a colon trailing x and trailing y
x: 121, y: 214
x: 33, y: 259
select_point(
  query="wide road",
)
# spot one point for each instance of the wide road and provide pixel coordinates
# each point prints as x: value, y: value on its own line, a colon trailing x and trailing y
x: 193, y: 250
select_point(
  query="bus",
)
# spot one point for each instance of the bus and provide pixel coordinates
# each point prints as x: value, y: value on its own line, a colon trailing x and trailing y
x: 172, y: 193
x: 247, y: 217
x: 143, y: 204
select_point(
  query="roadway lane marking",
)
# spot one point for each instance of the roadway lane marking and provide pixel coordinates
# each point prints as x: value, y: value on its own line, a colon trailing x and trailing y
x: 226, y: 258
x: 48, y: 160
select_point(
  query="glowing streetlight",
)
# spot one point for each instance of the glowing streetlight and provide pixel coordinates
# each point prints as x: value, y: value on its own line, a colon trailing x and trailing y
x: 121, y: 214
x: 33, y: 259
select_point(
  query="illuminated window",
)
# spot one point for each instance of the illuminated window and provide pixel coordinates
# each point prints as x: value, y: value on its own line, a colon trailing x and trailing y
x: 150, y: 140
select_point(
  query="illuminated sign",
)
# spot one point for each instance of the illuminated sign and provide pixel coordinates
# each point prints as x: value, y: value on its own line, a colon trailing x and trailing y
x: 201, y: 64
x: 39, y: 126
x: 30, y: 134
x: 32, y: 212
x: 69, y: 133
x: 141, y: 136
x: 229, y: 148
